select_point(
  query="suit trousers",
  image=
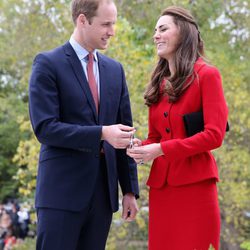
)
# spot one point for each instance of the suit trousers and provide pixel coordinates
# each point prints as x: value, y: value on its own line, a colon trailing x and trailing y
x: 84, y: 230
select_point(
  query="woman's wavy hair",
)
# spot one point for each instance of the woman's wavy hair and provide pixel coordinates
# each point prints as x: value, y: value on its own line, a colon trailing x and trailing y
x: 190, y: 48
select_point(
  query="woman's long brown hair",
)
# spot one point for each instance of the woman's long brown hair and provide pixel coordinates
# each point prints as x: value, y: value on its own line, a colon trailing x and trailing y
x: 189, y: 50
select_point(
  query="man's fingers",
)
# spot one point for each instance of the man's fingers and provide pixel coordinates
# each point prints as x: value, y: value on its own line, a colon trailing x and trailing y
x: 129, y: 206
x: 124, y: 134
x: 126, y: 128
x: 125, y: 213
x: 133, y: 212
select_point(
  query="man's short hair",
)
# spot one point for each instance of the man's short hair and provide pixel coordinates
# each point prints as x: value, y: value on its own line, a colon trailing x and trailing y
x: 86, y: 7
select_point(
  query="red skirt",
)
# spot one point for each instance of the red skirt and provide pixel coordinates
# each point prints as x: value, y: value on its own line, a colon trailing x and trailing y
x: 185, y: 217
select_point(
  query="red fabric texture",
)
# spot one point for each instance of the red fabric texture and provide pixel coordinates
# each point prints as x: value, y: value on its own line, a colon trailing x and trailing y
x: 185, y: 217
x: 188, y: 159
x: 183, y: 200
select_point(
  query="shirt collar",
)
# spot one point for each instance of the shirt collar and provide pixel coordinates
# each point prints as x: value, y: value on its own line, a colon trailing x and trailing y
x: 81, y: 51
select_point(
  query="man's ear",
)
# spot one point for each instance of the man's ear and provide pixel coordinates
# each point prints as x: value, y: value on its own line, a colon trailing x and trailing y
x: 81, y: 20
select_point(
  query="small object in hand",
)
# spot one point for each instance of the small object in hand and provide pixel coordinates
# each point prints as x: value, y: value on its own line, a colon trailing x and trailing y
x: 141, y: 162
x: 131, y: 144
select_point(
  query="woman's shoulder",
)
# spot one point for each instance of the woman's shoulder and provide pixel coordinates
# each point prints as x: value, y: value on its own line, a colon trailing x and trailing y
x: 202, y: 67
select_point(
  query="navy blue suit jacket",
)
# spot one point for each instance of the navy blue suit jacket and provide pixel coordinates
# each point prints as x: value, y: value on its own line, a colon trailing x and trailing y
x: 65, y: 122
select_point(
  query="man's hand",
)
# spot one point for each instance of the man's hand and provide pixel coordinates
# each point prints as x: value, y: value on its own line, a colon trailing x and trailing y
x: 117, y: 135
x: 129, y: 207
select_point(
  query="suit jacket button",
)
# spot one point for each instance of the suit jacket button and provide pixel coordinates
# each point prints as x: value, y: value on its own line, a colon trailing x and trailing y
x: 165, y: 114
x: 168, y: 130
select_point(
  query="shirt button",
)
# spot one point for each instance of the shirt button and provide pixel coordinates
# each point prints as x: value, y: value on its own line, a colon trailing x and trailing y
x: 168, y: 130
x: 165, y: 114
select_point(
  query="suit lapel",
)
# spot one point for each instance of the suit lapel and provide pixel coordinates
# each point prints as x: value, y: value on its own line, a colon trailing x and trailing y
x: 104, y: 88
x: 78, y: 70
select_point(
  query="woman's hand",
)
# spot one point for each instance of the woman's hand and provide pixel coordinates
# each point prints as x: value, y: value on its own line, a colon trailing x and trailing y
x: 142, y: 154
x: 137, y: 142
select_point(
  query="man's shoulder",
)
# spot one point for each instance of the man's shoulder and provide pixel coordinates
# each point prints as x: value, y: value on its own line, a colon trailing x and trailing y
x: 55, y: 52
x: 107, y: 59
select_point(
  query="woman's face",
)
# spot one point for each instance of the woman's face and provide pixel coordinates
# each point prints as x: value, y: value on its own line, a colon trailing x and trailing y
x: 166, y: 37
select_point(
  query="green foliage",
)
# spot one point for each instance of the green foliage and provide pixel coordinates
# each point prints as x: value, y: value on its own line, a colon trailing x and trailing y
x: 26, y: 158
x: 18, y: 46
x: 9, y: 136
x: 128, y: 236
x: 137, y: 60
x: 245, y: 245
x: 211, y: 247
x: 28, y: 244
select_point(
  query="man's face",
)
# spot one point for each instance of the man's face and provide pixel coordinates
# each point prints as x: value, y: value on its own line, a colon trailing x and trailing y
x: 97, y: 34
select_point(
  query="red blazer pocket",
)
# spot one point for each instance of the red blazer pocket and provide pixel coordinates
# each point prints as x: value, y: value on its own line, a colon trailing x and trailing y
x: 158, y: 173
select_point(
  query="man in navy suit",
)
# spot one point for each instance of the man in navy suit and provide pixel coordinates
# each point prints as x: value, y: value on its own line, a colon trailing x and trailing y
x: 83, y: 146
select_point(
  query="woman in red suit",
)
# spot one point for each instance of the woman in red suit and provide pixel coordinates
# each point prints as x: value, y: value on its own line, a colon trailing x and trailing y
x: 183, y: 201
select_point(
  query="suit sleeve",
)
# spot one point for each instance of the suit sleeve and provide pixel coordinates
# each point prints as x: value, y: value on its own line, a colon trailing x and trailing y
x: 44, y: 108
x: 215, y: 113
x: 127, y: 169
